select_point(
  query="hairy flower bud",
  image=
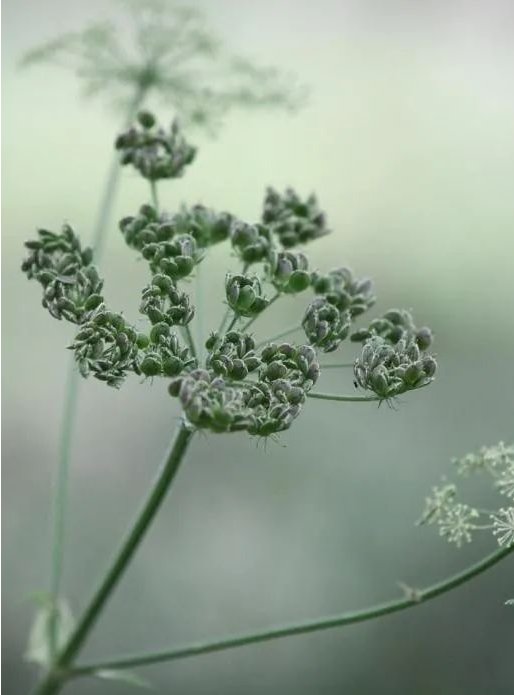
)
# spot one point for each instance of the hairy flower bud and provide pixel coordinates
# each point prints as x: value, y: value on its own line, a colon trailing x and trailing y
x: 162, y: 302
x: 393, y: 326
x: 345, y: 291
x: 72, y: 288
x: 244, y: 294
x: 252, y: 242
x: 233, y: 355
x: 390, y: 370
x: 292, y: 220
x: 289, y: 271
x: 206, y: 226
x: 325, y: 325
x: 107, y: 347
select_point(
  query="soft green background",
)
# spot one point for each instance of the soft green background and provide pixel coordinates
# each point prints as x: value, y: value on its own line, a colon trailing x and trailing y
x: 408, y: 141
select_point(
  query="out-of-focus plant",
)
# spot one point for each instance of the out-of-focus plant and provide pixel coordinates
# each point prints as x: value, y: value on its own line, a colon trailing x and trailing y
x: 237, y: 383
x: 457, y: 521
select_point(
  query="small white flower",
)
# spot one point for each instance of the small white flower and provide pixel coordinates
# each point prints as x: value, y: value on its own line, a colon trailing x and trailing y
x: 457, y: 524
x: 503, y: 526
x: 438, y: 504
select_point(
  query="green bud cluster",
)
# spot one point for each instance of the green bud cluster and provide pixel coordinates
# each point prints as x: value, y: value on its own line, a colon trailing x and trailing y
x: 393, y: 326
x: 292, y: 220
x: 165, y: 356
x: 210, y: 403
x: 162, y: 302
x: 325, y: 325
x: 345, y: 291
x: 233, y: 355
x: 71, y: 285
x: 235, y: 386
x: 262, y: 407
x: 288, y: 271
x: 156, y: 238
x: 390, y: 370
x: 153, y: 151
x: 252, y: 242
x: 147, y: 227
x: 206, y: 226
x: 107, y: 347
x: 244, y: 294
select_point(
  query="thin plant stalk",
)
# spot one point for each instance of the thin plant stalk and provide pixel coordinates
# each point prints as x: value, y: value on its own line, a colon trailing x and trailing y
x: 277, y: 336
x: 413, y: 597
x: 254, y: 318
x: 70, y: 401
x: 155, y: 197
x: 57, y: 674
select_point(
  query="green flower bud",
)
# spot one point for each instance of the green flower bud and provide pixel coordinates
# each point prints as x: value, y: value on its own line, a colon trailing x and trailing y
x: 289, y: 271
x: 324, y: 325
x: 244, y: 294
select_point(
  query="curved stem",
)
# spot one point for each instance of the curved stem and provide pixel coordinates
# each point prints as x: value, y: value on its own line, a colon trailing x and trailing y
x: 70, y: 400
x: 161, y: 485
x: 337, y: 397
x: 414, y: 598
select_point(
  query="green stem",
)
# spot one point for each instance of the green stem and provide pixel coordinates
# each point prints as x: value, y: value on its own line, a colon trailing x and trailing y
x: 60, y: 500
x: 190, y: 341
x: 337, y: 397
x: 254, y: 318
x: 282, y: 334
x: 231, y: 325
x: 414, y: 598
x: 70, y: 400
x: 155, y: 197
x: 55, y: 678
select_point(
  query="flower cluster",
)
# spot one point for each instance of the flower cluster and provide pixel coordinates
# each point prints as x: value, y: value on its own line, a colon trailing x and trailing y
x: 457, y: 521
x: 240, y: 384
x: 153, y: 151
x: 292, y: 220
x: 390, y: 370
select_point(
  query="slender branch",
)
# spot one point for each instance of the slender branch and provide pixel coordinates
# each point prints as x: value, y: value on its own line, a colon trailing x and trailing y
x: 158, y: 490
x: 337, y: 397
x: 415, y: 598
x: 282, y: 334
x: 231, y: 325
x: 60, y: 500
x: 254, y: 318
x: 190, y: 341
x: 70, y: 400
x: 155, y: 197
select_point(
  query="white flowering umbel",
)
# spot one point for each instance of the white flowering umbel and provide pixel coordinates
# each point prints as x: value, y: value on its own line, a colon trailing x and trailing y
x: 457, y: 521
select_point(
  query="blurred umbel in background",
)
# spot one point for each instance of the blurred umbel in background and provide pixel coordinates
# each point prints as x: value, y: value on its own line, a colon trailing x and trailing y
x: 407, y: 140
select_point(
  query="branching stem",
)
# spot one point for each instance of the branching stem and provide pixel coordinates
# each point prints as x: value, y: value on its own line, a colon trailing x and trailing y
x: 165, y: 476
x: 416, y: 598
